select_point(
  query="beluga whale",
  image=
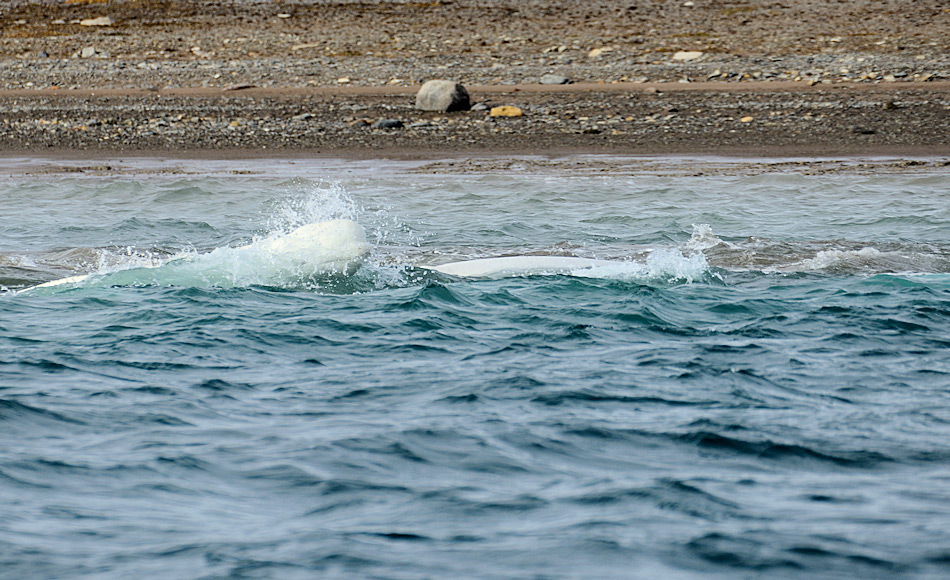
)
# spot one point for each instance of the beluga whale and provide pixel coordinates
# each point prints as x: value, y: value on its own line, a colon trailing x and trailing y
x: 336, y: 247
x: 519, y: 266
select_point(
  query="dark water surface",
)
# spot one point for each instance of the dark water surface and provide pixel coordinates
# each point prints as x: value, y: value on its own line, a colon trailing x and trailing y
x: 760, y: 390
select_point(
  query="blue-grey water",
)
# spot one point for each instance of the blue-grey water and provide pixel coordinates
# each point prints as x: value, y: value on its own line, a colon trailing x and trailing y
x: 761, y: 389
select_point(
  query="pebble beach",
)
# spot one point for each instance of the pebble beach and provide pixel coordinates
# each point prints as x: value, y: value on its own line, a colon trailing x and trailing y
x: 800, y: 78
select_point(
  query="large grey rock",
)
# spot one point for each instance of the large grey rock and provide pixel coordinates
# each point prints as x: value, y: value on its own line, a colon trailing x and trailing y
x: 442, y: 96
x: 552, y: 79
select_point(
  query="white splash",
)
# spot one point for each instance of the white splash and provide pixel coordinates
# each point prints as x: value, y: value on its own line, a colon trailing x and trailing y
x: 665, y: 264
x: 703, y: 238
x: 310, y: 203
x: 832, y: 258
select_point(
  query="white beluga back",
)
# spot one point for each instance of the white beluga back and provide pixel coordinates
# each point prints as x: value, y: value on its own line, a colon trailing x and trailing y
x: 328, y: 248
x: 332, y: 247
x: 661, y: 266
x: 518, y: 266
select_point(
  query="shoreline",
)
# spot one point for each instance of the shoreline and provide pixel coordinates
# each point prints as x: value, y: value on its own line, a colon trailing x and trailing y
x: 475, y: 90
x: 245, y: 163
x: 399, y: 154
x: 765, y: 119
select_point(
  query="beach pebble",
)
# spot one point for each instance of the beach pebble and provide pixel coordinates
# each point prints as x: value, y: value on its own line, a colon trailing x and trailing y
x: 101, y: 21
x: 479, y: 107
x: 88, y: 52
x: 506, y: 111
x: 687, y: 55
x: 388, y: 124
x: 598, y: 52
x: 552, y: 79
x: 443, y: 96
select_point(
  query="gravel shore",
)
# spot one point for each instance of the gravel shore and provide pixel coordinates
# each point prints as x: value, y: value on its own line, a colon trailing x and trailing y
x: 751, y: 77
x: 757, y: 122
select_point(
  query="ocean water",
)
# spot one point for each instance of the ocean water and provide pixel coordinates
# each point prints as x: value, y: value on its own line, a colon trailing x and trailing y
x: 759, y: 387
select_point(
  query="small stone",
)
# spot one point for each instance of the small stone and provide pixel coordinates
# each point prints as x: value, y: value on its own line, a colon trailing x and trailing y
x: 863, y: 131
x: 687, y: 55
x: 890, y: 79
x: 101, y: 21
x: 506, y: 111
x: 746, y: 119
x: 598, y: 52
x: 388, y: 124
x: 442, y: 96
x: 479, y: 107
x: 42, y: 54
x: 343, y: 80
x: 238, y: 87
x: 88, y: 52
x: 552, y: 79
x: 306, y: 45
